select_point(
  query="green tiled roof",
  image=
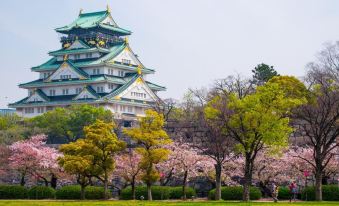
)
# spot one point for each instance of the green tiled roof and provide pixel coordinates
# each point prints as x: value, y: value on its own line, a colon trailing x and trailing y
x: 76, y: 69
x: 42, y: 95
x: 92, y: 79
x: 155, y: 86
x: 53, y: 64
x: 77, y: 51
x: 92, y: 20
x: 123, y: 87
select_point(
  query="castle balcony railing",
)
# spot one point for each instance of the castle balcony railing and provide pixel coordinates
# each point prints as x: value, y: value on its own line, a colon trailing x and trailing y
x: 92, y: 36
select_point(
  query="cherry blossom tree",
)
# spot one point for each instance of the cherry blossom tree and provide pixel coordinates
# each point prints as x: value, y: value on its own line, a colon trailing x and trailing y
x: 32, y: 157
x: 128, y: 167
x: 185, y: 163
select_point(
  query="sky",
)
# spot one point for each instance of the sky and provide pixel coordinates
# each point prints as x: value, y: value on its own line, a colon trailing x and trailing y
x: 190, y: 43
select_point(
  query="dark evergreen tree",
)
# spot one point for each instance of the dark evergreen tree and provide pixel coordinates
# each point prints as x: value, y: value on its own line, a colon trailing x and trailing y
x: 262, y: 73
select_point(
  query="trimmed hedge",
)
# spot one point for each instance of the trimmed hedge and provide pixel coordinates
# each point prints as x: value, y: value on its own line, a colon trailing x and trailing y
x: 158, y: 193
x: 284, y: 193
x: 13, y: 192
x: 235, y: 193
x: 41, y: 192
x: 330, y: 193
x: 176, y: 192
x: 72, y: 192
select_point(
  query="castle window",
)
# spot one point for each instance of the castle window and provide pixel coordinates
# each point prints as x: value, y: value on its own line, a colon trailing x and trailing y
x: 121, y: 73
x: 76, y: 56
x: 52, y: 92
x: 110, y: 86
x: 78, y: 90
x: 65, y: 91
x: 96, y: 71
x: 89, y: 55
x: 138, y: 94
x: 126, y: 61
x: 29, y: 110
x: 110, y: 72
x: 40, y: 110
x: 67, y: 76
x: 85, y: 96
x: 100, y: 89
x: 130, y: 109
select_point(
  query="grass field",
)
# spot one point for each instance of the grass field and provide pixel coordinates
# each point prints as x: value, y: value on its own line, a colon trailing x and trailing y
x: 154, y: 203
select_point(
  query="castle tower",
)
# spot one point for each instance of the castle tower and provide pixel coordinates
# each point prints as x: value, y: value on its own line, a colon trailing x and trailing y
x: 96, y: 66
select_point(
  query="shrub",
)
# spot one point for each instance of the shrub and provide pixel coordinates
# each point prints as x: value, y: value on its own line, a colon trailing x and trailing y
x: 284, y: 193
x: 158, y: 193
x: 330, y: 193
x: 13, y: 192
x: 235, y: 193
x: 41, y: 192
x: 72, y: 192
x: 95, y: 193
x: 176, y: 192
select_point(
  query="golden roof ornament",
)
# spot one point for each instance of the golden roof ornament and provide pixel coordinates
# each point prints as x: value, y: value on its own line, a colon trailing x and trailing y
x: 65, y: 57
x: 139, y: 70
x: 126, y: 40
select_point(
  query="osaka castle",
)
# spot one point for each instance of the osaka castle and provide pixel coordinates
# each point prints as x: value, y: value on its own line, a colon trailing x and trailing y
x: 95, y: 66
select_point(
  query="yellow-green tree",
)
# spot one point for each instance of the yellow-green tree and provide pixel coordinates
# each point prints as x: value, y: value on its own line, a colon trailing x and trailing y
x: 76, y: 162
x: 102, y: 143
x: 259, y: 120
x: 151, y: 138
x: 96, y: 151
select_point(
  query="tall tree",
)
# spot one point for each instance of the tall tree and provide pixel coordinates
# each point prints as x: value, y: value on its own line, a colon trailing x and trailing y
x: 129, y: 168
x: 69, y: 122
x: 262, y: 73
x: 318, y: 121
x: 75, y: 162
x: 151, y: 139
x: 258, y: 120
x: 213, y: 142
x: 102, y: 143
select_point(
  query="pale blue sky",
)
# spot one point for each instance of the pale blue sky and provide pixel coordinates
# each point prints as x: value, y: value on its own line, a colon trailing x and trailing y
x: 188, y: 42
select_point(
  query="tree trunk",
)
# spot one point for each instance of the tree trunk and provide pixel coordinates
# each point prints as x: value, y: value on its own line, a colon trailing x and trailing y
x: 90, y: 181
x: 133, y: 188
x: 106, y: 185
x: 54, y: 181
x: 184, y: 185
x: 217, y: 181
x: 46, y: 182
x: 318, y: 185
x: 149, y: 192
x: 248, y: 179
x: 82, y: 192
x: 22, y: 180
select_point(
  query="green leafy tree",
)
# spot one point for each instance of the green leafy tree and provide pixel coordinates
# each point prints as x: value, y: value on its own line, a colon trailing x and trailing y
x: 92, y: 156
x: 102, y: 143
x: 14, y: 128
x: 69, y: 122
x: 262, y: 73
x: 77, y: 162
x: 259, y: 120
x: 151, y: 139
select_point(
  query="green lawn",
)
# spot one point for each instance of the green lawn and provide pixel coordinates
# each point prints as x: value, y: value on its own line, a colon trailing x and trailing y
x: 145, y: 203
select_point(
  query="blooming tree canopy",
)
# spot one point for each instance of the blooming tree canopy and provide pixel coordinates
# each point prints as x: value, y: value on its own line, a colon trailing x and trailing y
x: 32, y: 157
